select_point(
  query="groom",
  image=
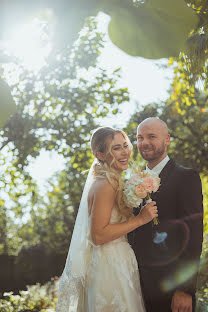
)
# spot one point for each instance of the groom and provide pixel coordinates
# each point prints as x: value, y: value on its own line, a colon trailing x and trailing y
x: 168, y: 254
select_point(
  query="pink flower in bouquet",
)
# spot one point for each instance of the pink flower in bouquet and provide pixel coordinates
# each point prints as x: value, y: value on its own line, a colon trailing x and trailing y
x: 151, y: 184
x: 134, y: 179
x: 141, y: 191
x: 140, y: 186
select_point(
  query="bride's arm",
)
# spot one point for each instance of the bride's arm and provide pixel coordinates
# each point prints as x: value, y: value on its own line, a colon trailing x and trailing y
x: 103, y: 202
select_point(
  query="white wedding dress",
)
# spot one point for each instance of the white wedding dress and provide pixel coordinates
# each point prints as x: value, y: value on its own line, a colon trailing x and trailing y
x: 112, y: 283
x: 101, y: 278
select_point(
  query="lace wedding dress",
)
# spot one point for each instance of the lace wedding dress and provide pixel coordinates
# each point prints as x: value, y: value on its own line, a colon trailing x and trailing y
x: 113, y: 283
x: 101, y: 278
x: 112, y: 279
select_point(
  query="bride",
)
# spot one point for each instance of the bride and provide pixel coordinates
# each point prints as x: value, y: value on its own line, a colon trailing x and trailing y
x: 101, y: 272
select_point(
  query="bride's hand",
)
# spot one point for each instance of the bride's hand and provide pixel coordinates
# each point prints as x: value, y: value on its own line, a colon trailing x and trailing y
x: 148, y: 212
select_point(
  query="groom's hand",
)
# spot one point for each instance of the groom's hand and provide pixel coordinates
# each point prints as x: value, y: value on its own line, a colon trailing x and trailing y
x: 181, y: 302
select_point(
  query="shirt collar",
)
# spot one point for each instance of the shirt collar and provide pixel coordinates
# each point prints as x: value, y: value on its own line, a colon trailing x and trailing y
x: 159, y: 167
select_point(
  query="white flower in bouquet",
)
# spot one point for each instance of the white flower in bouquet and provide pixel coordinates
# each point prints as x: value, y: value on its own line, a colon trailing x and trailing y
x: 139, y: 186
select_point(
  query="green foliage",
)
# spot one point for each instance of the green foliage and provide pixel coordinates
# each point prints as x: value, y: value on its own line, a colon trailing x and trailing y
x: 140, y: 28
x: 145, y: 29
x: 202, y: 292
x: 36, y: 298
x: 189, y: 133
x: 61, y: 102
x: 205, y: 195
x: 203, y: 277
x: 53, y: 222
x: 57, y: 110
x: 190, y: 67
x: 7, y: 104
x: 197, y: 44
x: 186, y: 86
x: 150, y: 29
x: 204, y: 258
x: 3, y: 229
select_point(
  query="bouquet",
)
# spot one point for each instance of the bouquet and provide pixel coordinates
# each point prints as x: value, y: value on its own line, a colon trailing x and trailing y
x: 139, y: 186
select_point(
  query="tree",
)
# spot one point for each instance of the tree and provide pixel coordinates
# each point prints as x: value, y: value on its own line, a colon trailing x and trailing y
x: 189, y: 133
x: 7, y: 103
x: 57, y: 110
x: 196, y: 54
x: 140, y: 28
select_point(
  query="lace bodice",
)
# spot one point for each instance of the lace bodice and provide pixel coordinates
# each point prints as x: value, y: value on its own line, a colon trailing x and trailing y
x: 116, y: 217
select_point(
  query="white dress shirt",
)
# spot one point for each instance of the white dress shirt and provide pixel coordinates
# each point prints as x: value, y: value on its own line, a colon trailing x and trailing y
x: 159, y: 167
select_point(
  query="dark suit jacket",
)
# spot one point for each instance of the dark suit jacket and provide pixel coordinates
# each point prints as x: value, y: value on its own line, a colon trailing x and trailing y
x: 168, y: 254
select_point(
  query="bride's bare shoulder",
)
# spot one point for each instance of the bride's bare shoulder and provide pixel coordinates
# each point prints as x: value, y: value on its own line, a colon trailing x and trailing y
x: 101, y: 186
x: 100, y: 192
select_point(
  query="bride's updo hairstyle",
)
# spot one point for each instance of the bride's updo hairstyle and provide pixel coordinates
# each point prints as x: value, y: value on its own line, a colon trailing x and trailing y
x: 102, y: 141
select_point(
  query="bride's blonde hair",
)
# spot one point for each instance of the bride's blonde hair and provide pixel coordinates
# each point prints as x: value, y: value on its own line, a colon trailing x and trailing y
x: 100, y: 143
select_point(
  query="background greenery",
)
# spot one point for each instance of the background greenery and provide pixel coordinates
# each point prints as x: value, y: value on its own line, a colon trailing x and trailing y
x: 57, y: 110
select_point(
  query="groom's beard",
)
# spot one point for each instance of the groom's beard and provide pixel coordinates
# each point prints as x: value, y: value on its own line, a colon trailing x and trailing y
x: 153, y: 154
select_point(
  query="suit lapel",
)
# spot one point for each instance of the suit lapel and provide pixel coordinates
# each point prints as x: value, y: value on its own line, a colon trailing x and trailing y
x: 164, y: 174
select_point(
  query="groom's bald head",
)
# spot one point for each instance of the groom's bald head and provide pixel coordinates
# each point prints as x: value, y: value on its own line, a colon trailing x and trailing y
x: 153, y: 140
x: 155, y: 122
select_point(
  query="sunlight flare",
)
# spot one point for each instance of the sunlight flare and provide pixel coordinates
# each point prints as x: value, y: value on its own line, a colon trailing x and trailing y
x: 30, y: 43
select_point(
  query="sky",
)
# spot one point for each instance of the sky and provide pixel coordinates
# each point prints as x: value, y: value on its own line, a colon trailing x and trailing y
x: 147, y: 80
